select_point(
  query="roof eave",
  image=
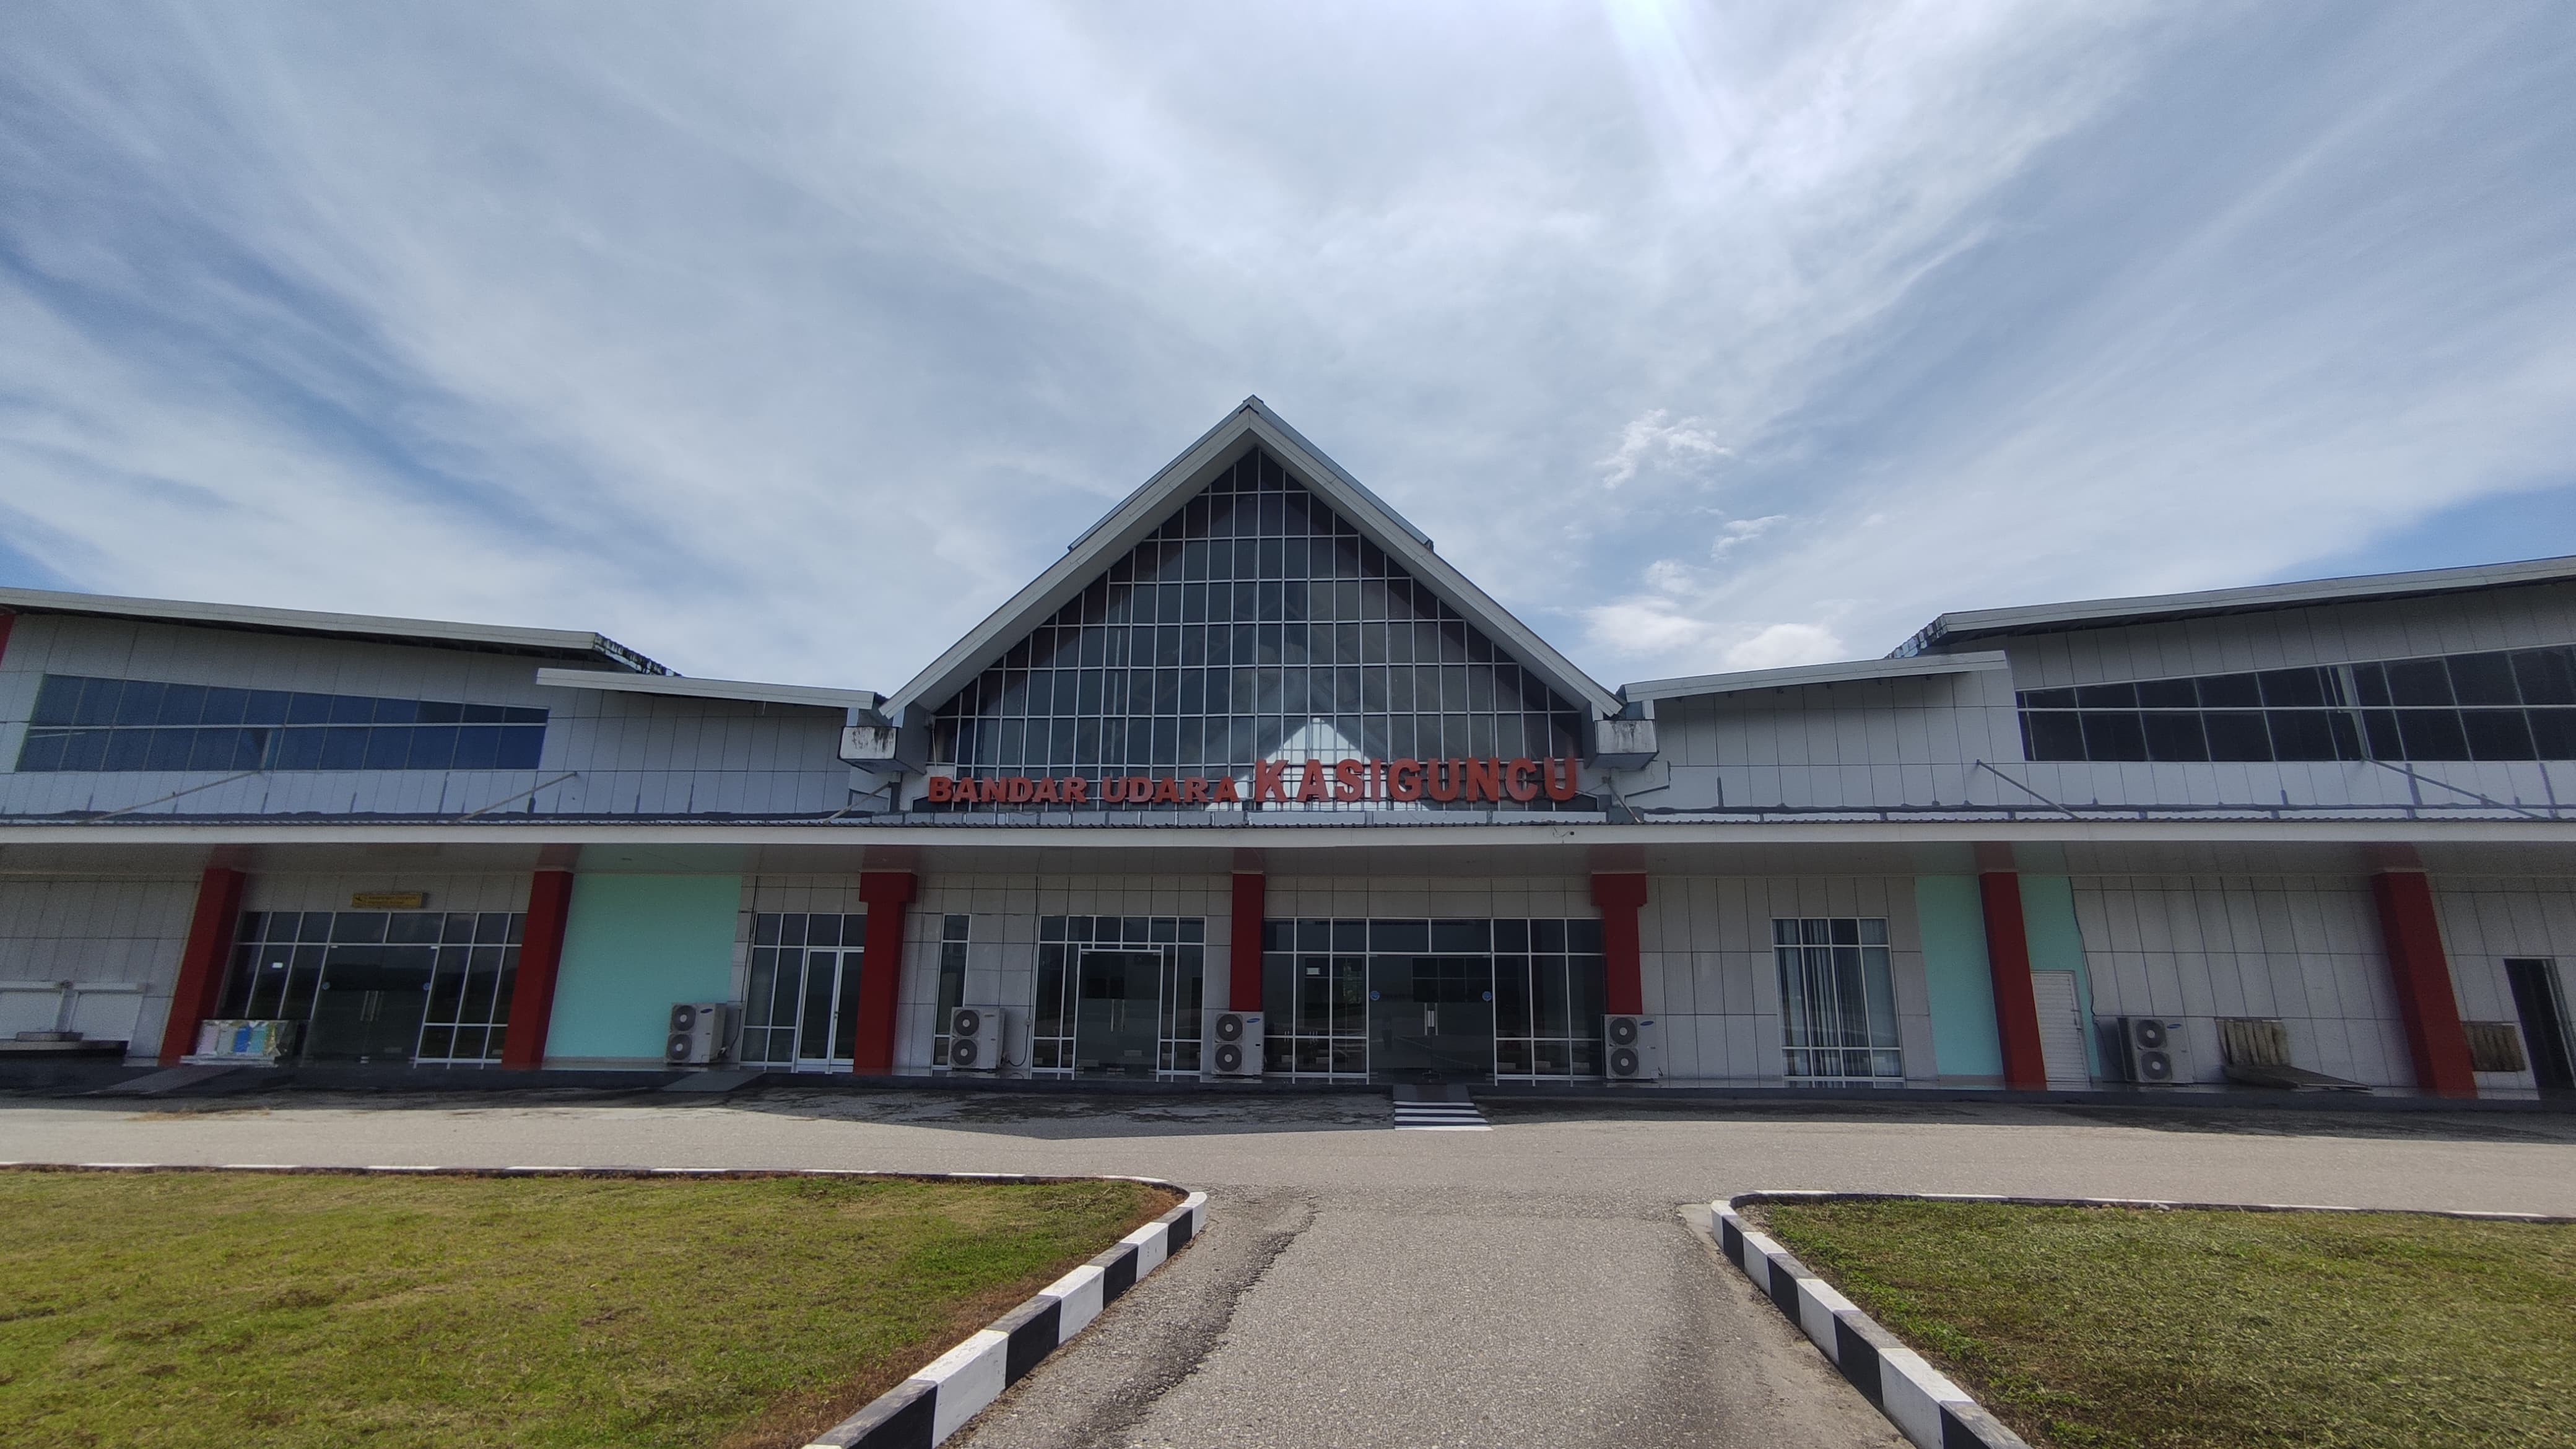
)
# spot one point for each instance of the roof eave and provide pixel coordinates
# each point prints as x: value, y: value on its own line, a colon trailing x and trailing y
x: 1973, y: 624
x: 1803, y: 675
x: 367, y: 628
x: 673, y: 686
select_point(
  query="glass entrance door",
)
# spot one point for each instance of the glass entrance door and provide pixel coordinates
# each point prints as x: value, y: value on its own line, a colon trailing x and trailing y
x: 370, y: 1005
x: 2543, y: 1010
x: 800, y: 1009
x: 1117, y: 1013
x: 1432, y: 1016
x: 827, y: 1018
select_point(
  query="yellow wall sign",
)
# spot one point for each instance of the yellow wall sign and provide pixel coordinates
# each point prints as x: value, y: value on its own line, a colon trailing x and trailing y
x: 387, y: 900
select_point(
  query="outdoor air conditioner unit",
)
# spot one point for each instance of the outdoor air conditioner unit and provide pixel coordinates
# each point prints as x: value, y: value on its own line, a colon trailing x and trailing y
x: 2152, y: 1052
x: 699, y: 1033
x: 1634, y: 1053
x: 1233, y: 1043
x: 975, y: 1038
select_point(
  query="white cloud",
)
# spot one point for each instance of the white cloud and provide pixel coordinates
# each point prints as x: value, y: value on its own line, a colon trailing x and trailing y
x: 1644, y: 627
x: 1738, y: 532
x: 791, y: 346
x: 1650, y: 437
x: 1777, y: 646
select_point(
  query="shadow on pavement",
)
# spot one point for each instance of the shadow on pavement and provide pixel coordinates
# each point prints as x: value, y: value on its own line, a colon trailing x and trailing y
x: 2284, y: 1121
x: 1071, y: 1116
x: 1053, y: 1115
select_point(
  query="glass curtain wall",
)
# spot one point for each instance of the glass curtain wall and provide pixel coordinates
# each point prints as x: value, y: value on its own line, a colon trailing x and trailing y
x: 1548, y: 985
x: 431, y: 987
x: 1837, y: 1000
x: 953, y: 932
x: 1178, y: 949
x: 800, y: 998
x: 123, y: 725
x: 2501, y: 705
x: 1546, y: 982
x: 1256, y: 624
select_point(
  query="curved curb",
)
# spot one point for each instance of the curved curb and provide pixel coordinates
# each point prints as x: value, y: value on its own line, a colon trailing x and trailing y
x: 935, y: 1402
x: 1923, y: 1403
x: 1920, y: 1400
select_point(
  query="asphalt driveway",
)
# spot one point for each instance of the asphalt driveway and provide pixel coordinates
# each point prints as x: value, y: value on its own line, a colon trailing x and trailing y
x: 1359, y: 1286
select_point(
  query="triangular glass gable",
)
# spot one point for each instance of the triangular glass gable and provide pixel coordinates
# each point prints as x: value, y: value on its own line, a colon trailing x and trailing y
x: 1256, y: 624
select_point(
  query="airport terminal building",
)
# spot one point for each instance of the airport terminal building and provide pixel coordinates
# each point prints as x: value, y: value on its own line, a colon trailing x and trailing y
x: 1253, y: 785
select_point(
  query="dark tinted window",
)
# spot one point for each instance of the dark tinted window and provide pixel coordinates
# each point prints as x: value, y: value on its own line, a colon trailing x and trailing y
x: 2496, y: 705
x: 85, y: 724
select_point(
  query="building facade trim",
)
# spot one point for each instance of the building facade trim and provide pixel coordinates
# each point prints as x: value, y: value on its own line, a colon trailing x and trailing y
x: 2008, y: 965
x: 203, y: 961
x: 2421, y: 973
x: 886, y: 893
x: 532, y: 997
x: 1619, y: 895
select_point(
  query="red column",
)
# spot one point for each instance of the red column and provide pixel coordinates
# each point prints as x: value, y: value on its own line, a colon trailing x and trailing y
x: 201, y: 966
x: 1623, y: 990
x: 2008, y: 962
x: 5, y: 621
x: 886, y: 893
x: 532, y: 999
x: 2422, y: 975
x: 1243, y: 945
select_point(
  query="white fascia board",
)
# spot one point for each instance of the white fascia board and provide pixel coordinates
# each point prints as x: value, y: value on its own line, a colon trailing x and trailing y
x: 682, y: 687
x: 1806, y: 674
x: 1227, y: 426
x: 1144, y: 510
x: 2255, y: 597
x: 568, y: 643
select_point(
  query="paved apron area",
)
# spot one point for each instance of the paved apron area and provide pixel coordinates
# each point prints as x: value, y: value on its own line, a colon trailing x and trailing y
x: 1360, y: 1286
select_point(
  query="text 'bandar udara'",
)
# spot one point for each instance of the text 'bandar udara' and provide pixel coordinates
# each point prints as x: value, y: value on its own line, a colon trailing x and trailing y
x: 1482, y: 779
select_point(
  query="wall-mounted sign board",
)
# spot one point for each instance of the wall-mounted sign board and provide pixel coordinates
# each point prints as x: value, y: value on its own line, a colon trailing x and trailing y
x: 388, y: 900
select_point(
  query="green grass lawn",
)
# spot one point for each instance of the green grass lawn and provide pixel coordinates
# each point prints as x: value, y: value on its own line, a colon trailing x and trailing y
x: 2119, y: 1326
x: 142, y: 1309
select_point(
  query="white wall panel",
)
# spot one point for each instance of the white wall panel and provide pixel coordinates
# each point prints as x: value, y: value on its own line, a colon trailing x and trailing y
x: 2304, y: 950
x: 1711, y: 979
x: 100, y: 932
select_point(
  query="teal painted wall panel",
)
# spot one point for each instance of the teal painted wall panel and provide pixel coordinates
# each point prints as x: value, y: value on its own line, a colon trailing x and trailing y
x: 2048, y: 917
x: 1962, y: 991
x: 633, y: 945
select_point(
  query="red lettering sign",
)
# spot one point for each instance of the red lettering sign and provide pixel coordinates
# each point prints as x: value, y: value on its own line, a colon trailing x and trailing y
x: 1478, y: 780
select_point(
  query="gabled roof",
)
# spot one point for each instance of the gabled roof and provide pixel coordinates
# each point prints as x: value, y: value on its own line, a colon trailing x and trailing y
x: 1951, y: 630
x: 1252, y: 424
x: 481, y: 638
x: 1842, y: 672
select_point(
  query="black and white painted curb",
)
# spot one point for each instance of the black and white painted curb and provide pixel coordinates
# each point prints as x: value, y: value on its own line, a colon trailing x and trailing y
x: 1933, y: 1412
x: 931, y: 1405
x: 1924, y: 1404
x: 1440, y: 1117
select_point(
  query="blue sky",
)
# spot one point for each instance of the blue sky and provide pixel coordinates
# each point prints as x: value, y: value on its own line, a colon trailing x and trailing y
x: 785, y: 341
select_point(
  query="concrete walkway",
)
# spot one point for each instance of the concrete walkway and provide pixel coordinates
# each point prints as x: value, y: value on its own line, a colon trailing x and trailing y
x: 1363, y: 1286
